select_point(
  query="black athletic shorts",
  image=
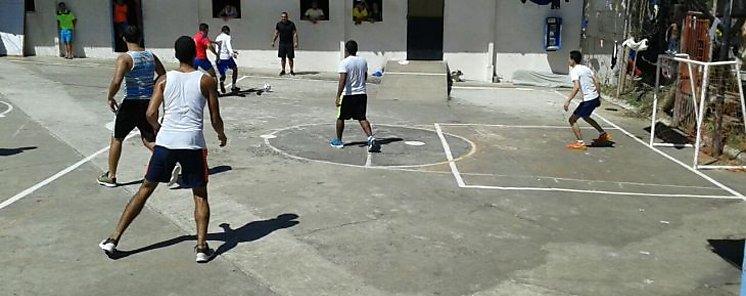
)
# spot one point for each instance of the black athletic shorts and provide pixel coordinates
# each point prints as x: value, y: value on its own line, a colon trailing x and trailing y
x: 286, y: 50
x: 353, y: 107
x: 131, y: 114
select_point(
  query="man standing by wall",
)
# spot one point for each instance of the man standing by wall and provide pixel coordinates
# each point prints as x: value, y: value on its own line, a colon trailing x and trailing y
x: 286, y: 31
x: 66, y: 23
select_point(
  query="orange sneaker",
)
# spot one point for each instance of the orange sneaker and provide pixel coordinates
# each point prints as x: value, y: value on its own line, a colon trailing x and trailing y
x: 576, y: 146
x: 603, y: 138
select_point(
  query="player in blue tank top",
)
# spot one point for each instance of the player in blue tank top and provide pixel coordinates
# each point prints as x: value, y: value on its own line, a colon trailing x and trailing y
x: 136, y: 69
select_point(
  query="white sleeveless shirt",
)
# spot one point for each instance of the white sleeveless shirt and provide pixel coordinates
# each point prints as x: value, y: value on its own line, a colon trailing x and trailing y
x: 184, y: 106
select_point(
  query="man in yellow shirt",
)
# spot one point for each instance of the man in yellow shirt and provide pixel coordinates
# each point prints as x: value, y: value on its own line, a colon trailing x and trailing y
x: 360, y: 12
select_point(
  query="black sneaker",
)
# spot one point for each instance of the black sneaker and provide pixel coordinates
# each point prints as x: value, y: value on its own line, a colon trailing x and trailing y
x: 282, y: 72
x: 109, y: 246
x: 235, y: 89
x: 203, y: 255
x: 292, y: 73
x: 222, y: 88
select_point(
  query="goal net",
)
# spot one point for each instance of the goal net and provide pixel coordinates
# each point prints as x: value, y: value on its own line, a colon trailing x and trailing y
x: 691, y: 88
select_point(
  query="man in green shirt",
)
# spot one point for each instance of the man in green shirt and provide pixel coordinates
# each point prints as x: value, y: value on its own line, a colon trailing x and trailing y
x: 66, y: 22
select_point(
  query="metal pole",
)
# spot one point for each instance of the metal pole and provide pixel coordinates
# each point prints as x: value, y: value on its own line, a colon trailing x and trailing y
x: 740, y: 92
x: 694, y: 89
x: 698, y: 142
x: 655, y: 99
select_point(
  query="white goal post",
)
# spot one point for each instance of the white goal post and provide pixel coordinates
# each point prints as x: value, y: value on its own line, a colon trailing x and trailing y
x: 698, y: 101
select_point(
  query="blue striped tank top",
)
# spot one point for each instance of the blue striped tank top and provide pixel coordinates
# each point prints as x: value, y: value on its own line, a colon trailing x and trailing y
x: 138, y: 83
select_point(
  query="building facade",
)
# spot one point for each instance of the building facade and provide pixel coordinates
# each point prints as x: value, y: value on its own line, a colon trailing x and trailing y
x: 482, y: 38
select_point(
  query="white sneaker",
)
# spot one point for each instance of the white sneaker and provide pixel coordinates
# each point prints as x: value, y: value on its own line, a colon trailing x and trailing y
x: 109, y: 245
x: 175, y: 175
x: 203, y: 255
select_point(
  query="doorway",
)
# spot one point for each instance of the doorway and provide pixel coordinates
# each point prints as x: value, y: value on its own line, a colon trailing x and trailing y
x: 121, y: 18
x: 425, y: 30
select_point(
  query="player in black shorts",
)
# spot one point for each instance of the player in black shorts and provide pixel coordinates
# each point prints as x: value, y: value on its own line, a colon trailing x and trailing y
x: 352, y: 97
x: 136, y: 68
x: 288, y: 35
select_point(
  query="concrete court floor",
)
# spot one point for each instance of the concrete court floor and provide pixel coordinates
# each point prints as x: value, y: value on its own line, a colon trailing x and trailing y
x: 292, y: 216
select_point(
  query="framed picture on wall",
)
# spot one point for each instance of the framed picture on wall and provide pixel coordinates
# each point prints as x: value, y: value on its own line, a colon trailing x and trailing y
x: 314, y: 10
x: 367, y: 11
x: 226, y: 9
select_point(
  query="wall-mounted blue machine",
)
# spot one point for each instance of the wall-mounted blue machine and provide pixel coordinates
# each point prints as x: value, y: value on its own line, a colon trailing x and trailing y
x: 553, y: 34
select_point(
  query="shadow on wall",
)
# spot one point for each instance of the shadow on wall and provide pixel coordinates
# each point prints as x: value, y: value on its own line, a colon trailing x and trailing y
x: 3, y: 50
x: 558, y: 61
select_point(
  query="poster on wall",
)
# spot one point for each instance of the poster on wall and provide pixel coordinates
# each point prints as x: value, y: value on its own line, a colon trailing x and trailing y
x: 314, y: 10
x: 367, y: 11
x: 226, y: 9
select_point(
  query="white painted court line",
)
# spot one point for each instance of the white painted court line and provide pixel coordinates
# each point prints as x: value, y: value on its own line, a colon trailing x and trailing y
x: 391, y: 167
x: 56, y: 176
x: 519, y: 126
x: 492, y: 88
x: 229, y: 85
x: 449, y: 156
x: 10, y: 108
x: 459, y: 179
x: 415, y: 73
x: 553, y: 189
x: 706, y: 177
x: 368, y: 160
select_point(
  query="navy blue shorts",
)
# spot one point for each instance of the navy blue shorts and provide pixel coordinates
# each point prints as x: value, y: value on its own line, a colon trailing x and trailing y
x: 224, y: 65
x: 202, y: 63
x: 585, y: 109
x: 193, y: 163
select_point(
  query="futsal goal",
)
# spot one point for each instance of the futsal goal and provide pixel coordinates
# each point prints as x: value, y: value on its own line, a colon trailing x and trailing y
x: 694, y: 88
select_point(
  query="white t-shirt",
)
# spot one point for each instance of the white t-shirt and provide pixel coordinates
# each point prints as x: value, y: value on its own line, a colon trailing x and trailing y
x: 314, y: 14
x: 356, y: 69
x: 226, y: 48
x: 584, y: 76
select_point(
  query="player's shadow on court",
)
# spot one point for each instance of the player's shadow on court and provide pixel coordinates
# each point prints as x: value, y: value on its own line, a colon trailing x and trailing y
x: 249, y: 232
x: 244, y: 93
x: 669, y: 135
x: 731, y: 250
x: 381, y: 141
x: 14, y: 151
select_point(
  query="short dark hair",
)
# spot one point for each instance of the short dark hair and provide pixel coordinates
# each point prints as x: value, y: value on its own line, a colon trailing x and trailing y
x: 285, y: 13
x: 351, y: 47
x: 185, y: 49
x: 576, y: 56
x: 132, y: 34
x: 61, y: 4
x: 225, y: 29
x: 203, y: 27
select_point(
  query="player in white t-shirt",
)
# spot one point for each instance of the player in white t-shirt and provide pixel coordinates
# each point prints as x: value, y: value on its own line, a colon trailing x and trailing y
x: 352, y: 98
x: 584, y: 80
x: 225, y: 59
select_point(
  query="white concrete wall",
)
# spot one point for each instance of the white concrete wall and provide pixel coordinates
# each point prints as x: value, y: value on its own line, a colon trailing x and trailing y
x: 470, y: 26
x: 520, y: 33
